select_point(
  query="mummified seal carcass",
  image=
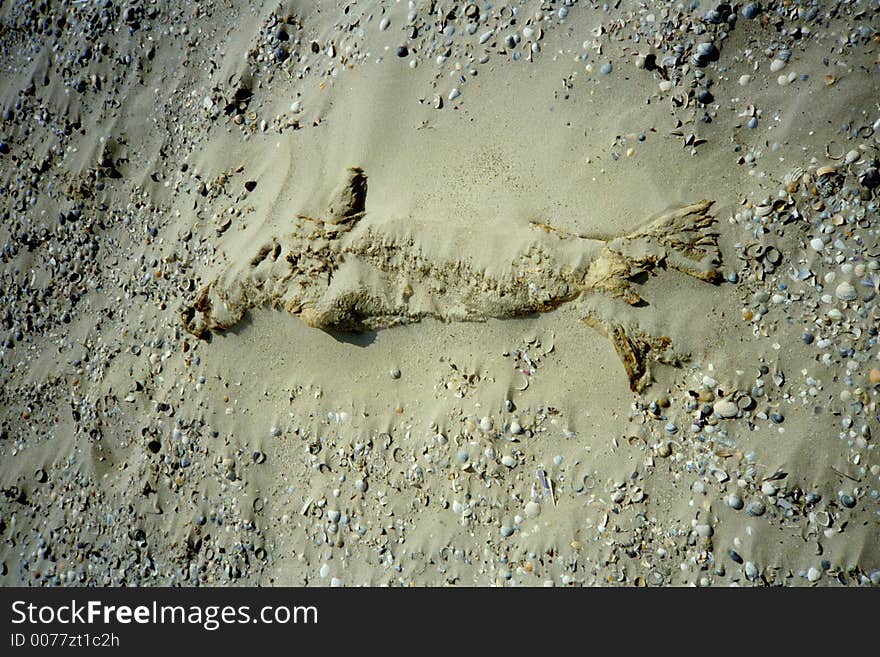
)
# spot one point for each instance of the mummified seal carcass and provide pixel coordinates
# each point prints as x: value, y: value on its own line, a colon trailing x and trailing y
x: 339, y: 274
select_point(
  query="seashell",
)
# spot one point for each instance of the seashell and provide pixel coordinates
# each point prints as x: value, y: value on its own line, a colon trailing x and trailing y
x: 828, y: 170
x: 793, y: 179
x: 763, y: 210
x: 745, y: 403
x: 822, y: 518
x: 754, y: 251
x: 846, y: 292
x: 725, y: 408
x: 773, y: 255
x: 837, y: 155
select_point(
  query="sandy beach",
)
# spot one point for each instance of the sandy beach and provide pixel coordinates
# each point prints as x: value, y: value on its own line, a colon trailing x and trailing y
x: 437, y: 293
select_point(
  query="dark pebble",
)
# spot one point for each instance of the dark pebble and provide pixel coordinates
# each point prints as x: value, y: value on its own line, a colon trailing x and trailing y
x: 848, y: 501
x: 4, y: 148
x: 871, y: 178
x: 735, y: 556
x: 751, y: 10
x: 281, y: 54
x: 402, y: 51
x: 808, y: 338
x: 777, y: 418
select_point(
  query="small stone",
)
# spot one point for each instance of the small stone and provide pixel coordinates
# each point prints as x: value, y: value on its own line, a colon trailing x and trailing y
x: 515, y: 428
x: 384, y: 24
x: 486, y: 424
x: 847, y: 500
x: 508, y: 461
x: 814, y: 574
x: 734, y: 501
x: 853, y: 156
x: 808, y: 338
x: 455, y: 93
x: 874, y: 375
x: 817, y: 244
x: 325, y: 570
x: 395, y: 373
x: 402, y: 51
x: 606, y: 68
x: 664, y: 450
x: 768, y: 488
x: 533, y: 509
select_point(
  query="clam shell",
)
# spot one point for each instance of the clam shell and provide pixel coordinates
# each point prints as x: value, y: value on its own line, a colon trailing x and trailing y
x: 846, y: 292
x: 772, y: 255
x: 745, y: 403
x: 793, y: 179
x: 725, y: 408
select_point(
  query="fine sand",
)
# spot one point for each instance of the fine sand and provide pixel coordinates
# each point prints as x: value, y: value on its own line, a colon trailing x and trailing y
x: 437, y: 293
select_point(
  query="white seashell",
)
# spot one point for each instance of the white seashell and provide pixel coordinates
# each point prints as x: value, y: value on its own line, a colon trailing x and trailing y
x: 725, y: 408
x: 763, y: 210
x: 846, y: 292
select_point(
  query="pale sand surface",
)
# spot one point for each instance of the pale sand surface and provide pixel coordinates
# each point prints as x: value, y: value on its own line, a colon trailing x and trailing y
x: 265, y: 450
